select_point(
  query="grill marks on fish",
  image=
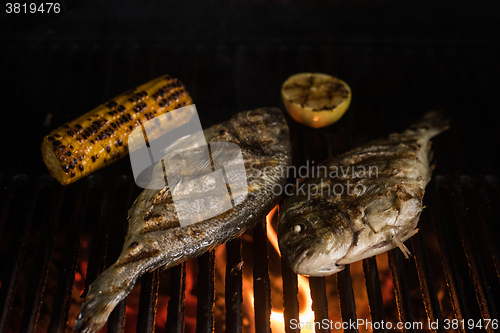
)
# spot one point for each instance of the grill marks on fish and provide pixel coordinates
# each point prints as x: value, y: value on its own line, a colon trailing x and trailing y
x: 339, y: 227
x: 378, y: 157
x: 137, y: 254
x: 156, y: 239
x: 163, y: 197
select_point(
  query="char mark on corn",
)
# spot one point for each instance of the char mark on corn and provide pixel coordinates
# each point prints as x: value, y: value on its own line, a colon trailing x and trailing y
x: 98, y: 138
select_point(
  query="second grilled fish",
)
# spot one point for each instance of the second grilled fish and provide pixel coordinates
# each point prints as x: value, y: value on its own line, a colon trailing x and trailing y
x: 361, y: 203
x: 156, y: 239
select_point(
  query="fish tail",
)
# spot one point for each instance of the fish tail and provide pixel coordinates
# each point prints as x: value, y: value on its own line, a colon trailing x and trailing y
x: 433, y: 123
x: 111, y: 287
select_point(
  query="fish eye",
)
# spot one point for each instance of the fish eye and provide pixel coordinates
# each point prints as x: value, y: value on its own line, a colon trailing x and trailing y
x: 222, y: 132
x: 298, y: 228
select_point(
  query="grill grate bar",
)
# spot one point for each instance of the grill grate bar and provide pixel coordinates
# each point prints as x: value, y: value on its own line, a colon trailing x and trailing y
x: 23, y: 217
x: 62, y: 296
x: 476, y: 267
x: 290, y: 292
x: 487, y: 199
x: 320, y: 301
x: 72, y: 244
x: 448, y: 259
x: 206, y: 293
x: 177, y: 292
x: 401, y: 291
x: 147, y: 302
x: 346, y: 296
x: 40, y: 271
x: 291, y: 308
x: 374, y: 292
x: 116, y: 321
x: 97, y: 256
x: 426, y: 280
x: 261, y: 281
x: 118, y: 229
x: 233, y: 286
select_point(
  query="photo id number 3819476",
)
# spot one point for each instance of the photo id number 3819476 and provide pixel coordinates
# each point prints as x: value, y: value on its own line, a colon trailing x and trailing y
x: 26, y: 8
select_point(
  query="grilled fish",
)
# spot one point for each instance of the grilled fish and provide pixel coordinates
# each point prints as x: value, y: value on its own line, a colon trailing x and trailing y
x: 359, y: 204
x: 155, y: 237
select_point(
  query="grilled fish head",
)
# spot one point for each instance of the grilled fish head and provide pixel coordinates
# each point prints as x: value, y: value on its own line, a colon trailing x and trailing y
x: 317, y: 238
x: 313, y: 238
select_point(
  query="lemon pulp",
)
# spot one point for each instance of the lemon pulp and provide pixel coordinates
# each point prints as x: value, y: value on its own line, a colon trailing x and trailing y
x: 315, y: 99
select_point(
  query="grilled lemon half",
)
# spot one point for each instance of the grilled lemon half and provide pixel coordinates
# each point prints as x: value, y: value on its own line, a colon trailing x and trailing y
x: 315, y: 99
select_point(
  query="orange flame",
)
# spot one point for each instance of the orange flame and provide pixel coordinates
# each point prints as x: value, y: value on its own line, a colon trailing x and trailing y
x: 306, y: 314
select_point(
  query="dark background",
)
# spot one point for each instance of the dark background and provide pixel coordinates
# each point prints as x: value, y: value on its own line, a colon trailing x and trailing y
x: 266, y: 21
x: 400, y: 58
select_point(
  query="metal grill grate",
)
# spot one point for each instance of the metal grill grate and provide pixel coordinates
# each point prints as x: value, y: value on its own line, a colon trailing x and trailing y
x: 46, y: 229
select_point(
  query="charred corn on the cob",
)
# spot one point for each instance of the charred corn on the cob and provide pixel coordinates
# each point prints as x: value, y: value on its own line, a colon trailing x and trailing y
x: 99, y: 137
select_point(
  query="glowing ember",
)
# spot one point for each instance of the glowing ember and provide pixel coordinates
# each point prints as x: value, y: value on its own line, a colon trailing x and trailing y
x: 306, y: 314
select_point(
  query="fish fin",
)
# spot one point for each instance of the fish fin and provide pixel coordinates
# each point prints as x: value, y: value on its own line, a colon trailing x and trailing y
x: 402, y: 246
x: 111, y: 287
x: 432, y: 122
x: 372, y: 189
x: 431, y: 171
x: 430, y: 156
